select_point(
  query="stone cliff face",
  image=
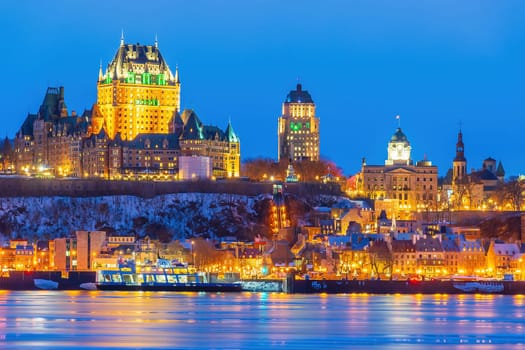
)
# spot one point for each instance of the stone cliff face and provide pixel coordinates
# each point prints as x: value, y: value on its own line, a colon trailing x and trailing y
x: 165, y: 216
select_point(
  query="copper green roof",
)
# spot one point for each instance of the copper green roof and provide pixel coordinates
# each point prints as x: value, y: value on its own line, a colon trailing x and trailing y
x: 131, y: 56
x: 500, y: 171
x: 230, y: 134
x: 53, y: 104
x: 192, y: 128
x: 399, y: 136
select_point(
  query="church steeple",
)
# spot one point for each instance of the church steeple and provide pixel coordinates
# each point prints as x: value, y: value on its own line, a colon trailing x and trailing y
x: 500, y: 172
x: 460, y: 148
x: 459, y: 165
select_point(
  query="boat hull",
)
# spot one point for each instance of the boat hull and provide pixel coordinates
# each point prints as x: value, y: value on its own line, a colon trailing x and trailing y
x: 399, y: 287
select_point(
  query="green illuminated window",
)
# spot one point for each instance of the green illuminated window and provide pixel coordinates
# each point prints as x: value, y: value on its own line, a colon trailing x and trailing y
x: 146, y: 78
x: 130, y: 78
x: 152, y: 102
x: 160, y: 79
x: 295, y: 126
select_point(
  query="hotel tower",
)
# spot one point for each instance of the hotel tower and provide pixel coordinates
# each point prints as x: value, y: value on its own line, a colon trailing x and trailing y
x: 298, y: 128
x: 137, y: 94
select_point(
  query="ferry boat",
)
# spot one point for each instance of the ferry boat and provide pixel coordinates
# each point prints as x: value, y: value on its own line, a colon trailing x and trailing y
x: 480, y: 287
x: 165, y: 276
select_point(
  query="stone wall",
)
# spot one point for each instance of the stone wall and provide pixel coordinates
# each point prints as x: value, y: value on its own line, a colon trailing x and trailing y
x: 31, y: 187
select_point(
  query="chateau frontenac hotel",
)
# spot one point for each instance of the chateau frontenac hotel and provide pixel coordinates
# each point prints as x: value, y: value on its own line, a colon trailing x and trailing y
x: 135, y: 128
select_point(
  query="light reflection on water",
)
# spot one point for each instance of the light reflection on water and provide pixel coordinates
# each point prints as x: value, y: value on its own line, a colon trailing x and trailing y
x: 51, y: 319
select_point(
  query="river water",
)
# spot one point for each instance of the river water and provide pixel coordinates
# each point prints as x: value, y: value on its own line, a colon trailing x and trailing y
x: 157, y: 320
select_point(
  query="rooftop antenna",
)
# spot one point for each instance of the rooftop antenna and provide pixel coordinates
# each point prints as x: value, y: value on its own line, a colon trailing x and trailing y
x: 156, y: 41
x: 398, y: 117
x: 122, y: 37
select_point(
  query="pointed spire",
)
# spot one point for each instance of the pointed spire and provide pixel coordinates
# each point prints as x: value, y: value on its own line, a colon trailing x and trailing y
x: 230, y: 134
x: 122, y: 38
x: 500, y: 172
x: 156, y: 41
x: 177, y: 74
x: 460, y: 148
x: 100, y: 75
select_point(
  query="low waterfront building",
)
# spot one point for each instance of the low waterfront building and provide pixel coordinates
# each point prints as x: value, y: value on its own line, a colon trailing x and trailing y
x: 502, y: 258
x: 89, y: 246
x: 404, y: 258
x: 430, y: 256
x: 472, y: 258
x: 452, y: 257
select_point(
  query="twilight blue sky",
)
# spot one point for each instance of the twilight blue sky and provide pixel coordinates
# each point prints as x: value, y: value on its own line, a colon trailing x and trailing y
x: 436, y: 63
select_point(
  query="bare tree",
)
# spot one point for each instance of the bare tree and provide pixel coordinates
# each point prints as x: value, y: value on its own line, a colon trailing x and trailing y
x: 514, y: 192
x: 381, y: 260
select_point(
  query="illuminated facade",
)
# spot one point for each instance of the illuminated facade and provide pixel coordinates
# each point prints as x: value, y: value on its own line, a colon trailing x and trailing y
x: 473, y: 191
x: 148, y: 155
x: 223, y: 147
x: 138, y: 94
x: 137, y: 129
x: 409, y: 187
x: 298, y: 127
x: 49, y: 141
x: 134, y: 130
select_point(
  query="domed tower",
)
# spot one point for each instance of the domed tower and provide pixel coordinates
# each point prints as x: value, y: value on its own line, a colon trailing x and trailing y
x: 459, y: 165
x: 399, y: 149
x: 298, y: 127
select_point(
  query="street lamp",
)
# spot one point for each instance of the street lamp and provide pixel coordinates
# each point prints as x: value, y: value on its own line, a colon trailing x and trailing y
x: 192, y: 256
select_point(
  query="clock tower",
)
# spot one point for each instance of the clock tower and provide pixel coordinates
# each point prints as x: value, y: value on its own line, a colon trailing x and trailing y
x: 398, y: 149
